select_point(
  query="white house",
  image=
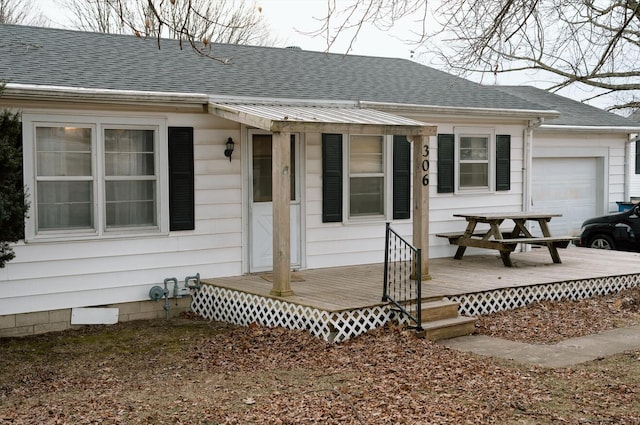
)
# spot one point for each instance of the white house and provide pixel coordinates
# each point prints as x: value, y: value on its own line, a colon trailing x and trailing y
x: 582, y: 161
x: 144, y: 164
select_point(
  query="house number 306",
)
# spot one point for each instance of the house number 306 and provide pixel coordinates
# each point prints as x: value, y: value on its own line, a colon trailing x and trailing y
x: 425, y: 166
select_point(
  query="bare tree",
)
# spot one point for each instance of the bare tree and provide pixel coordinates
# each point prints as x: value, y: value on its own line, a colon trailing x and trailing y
x: 196, y: 22
x: 95, y: 16
x: 592, y: 44
x: 352, y: 16
x: 22, y: 12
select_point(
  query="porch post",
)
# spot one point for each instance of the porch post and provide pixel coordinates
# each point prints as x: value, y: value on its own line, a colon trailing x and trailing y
x: 281, y: 197
x: 421, y: 183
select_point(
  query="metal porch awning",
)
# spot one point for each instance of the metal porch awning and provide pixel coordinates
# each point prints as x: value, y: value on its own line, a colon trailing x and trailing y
x: 319, y: 119
x: 281, y: 119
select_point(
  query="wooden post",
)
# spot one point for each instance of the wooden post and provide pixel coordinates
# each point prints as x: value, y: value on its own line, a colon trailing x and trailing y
x: 421, y: 183
x: 281, y: 198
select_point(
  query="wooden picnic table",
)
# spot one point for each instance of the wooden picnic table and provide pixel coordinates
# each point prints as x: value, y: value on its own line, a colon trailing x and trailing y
x: 506, y: 241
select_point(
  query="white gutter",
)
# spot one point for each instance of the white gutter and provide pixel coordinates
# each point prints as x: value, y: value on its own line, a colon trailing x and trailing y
x: 454, y: 110
x: 591, y: 128
x: 32, y: 91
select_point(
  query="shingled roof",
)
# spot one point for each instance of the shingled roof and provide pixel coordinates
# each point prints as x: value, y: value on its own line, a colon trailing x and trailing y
x: 572, y: 113
x: 58, y: 57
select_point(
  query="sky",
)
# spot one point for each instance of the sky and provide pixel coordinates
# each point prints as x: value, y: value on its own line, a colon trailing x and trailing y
x: 290, y: 19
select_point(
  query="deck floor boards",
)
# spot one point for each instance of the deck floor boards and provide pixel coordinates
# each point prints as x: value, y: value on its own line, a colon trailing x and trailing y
x: 341, y: 288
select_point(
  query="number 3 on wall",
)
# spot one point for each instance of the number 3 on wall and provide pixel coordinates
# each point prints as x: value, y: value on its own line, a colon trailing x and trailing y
x: 425, y: 166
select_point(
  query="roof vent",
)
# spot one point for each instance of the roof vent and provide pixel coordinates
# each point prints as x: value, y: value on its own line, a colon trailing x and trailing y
x: 294, y: 47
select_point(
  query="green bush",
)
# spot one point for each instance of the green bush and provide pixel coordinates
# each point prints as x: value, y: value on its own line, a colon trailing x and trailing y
x: 13, y: 202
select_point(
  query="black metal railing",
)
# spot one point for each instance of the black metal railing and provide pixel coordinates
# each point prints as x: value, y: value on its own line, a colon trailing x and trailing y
x: 403, y: 276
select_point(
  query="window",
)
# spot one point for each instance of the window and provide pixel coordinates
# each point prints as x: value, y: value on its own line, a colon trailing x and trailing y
x: 130, y: 180
x: 474, y: 160
x: 366, y: 176
x: 64, y: 178
x: 377, y: 177
x: 261, y: 167
x: 92, y: 177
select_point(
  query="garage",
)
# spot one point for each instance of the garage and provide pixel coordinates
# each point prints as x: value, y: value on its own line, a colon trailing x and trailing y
x: 567, y: 186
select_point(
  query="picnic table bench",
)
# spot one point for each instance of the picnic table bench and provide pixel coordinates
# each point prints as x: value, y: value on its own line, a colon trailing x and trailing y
x: 505, y: 241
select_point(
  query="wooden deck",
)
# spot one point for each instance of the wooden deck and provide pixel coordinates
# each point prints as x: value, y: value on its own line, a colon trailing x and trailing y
x: 352, y: 287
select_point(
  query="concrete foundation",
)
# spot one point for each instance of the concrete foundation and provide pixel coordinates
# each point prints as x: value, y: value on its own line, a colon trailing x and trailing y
x: 13, y: 325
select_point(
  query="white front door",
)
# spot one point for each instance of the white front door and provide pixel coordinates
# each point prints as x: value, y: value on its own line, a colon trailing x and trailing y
x: 261, y: 207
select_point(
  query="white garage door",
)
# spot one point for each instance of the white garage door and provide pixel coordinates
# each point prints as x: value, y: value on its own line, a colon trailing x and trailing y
x: 567, y: 186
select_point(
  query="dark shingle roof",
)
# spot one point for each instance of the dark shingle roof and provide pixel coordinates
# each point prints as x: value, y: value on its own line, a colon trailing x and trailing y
x: 571, y: 112
x: 57, y: 57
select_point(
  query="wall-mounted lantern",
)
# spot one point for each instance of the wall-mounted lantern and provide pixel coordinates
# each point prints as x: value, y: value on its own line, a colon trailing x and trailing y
x: 229, y: 150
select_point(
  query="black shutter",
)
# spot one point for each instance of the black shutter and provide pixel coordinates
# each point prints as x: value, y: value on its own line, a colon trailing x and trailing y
x: 181, y: 182
x: 503, y: 162
x: 401, y: 178
x: 331, y: 178
x: 638, y: 156
x: 446, y: 168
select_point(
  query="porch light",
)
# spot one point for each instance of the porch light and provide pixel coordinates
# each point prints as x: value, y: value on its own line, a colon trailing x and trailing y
x: 229, y: 150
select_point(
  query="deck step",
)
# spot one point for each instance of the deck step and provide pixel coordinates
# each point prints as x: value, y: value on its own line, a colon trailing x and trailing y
x: 447, y: 328
x: 440, y: 309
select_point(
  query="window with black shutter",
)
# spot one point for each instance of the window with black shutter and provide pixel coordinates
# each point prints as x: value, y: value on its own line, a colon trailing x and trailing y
x: 331, y: 178
x: 503, y: 162
x: 181, y: 180
x: 446, y: 167
x: 401, y: 178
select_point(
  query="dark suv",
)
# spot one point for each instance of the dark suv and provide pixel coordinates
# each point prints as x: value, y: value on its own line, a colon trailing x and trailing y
x: 619, y: 231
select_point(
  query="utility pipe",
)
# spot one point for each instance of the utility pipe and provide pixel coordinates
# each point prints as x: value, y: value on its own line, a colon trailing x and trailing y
x: 166, y: 294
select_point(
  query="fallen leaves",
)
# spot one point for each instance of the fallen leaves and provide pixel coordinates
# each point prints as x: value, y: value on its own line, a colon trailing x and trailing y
x: 192, y: 371
x: 549, y: 322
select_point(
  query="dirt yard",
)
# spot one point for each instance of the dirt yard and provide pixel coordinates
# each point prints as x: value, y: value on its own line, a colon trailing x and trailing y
x: 189, y: 371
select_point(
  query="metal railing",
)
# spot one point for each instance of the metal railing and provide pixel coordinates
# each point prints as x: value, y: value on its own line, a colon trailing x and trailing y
x: 403, y: 276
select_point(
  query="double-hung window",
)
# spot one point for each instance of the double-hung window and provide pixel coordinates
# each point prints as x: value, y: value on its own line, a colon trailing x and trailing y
x: 473, y: 155
x: 130, y: 178
x: 366, y: 176
x: 93, y: 177
x: 64, y: 178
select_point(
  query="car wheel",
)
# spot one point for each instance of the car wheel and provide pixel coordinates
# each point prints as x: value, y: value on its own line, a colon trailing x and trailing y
x: 602, y: 242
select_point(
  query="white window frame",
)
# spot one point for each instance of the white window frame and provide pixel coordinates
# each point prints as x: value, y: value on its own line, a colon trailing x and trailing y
x: 387, y: 155
x: 490, y: 135
x: 98, y: 125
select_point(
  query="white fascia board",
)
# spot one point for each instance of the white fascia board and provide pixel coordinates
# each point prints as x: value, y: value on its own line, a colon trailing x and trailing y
x: 61, y: 93
x: 591, y: 128
x: 461, y: 110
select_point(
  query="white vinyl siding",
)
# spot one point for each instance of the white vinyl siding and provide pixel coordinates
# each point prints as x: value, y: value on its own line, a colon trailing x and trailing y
x: 121, y: 267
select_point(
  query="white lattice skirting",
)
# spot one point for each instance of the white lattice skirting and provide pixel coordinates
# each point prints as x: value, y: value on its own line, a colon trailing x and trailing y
x: 481, y: 303
x: 240, y: 308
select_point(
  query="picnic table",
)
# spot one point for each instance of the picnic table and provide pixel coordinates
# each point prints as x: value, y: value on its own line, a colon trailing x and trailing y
x: 505, y: 241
